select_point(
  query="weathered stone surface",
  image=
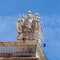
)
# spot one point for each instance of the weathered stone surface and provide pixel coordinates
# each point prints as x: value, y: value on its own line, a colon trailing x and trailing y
x: 19, y: 58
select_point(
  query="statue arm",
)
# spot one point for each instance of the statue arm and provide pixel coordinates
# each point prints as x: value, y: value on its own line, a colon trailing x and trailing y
x: 17, y: 28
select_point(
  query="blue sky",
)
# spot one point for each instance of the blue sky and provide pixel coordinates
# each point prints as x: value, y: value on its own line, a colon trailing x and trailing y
x: 49, y: 11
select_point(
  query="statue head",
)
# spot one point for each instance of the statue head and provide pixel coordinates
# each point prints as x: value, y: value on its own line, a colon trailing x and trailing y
x: 29, y: 15
x: 18, y: 19
x: 29, y: 12
x: 36, y: 16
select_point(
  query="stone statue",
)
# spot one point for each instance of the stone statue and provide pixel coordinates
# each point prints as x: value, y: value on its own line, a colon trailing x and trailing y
x: 38, y: 34
x: 29, y: 19
x: 18, y: 26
